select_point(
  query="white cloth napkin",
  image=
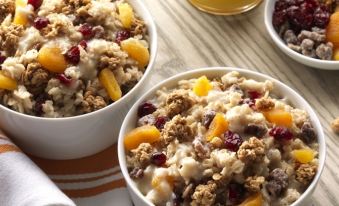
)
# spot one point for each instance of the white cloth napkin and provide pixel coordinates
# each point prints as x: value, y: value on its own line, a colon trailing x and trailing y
x: 22, y: 183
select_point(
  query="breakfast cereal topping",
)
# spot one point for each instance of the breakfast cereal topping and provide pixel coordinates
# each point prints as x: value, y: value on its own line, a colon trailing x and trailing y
x: 61, y: 48
x: 308, y: 27
x: 193, y: 146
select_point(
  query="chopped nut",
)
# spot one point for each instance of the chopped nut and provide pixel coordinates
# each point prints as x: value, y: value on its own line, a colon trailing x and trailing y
x: 335, y: 125
x: 294, y: 47
x: 178, y: 102
x: 308, y: 133
x: 137, y: 173
x: 277, y: 182
x: 207, y: 118
x: 177, y: 128
x: 254, y: 183
x: 148, y: 119
x: 325, y: 51
x: 312, y: 35
x: 307, y: 48
x: 204, y: 195
x: 290, y: 37
x: 264, y: 104
x: 251, y: 150
x: 305, y: 173
x: 200, y: 150
x: 140, y: 157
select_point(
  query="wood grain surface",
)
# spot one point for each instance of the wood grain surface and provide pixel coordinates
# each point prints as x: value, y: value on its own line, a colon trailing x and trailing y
x: 190, y: 39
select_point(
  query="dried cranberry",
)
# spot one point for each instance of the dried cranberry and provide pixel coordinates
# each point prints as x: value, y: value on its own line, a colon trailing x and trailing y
x: 250, y: 102
x: 2, y: 59
x: 41, y: 22
x: 83, y: 44
x: 87, y: 31
x: 279, y: 18
x: 208, y: 118
x: 280, y: 5
x: 122, y: 35
x: 281, y: 133
x: 321, y: 17
x: 232, y: 141
x: 73, y: 55
x: 64, y: 79
x: 145, y: 109
x: 254, y: 94
x: 161, y: 121
x: 158, y: 159
x: 236, y: 193
x: 35, y: 3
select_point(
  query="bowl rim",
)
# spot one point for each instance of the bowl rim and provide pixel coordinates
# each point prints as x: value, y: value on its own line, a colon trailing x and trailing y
x: 268, y: 13
x: 221, y: 70
x: 152, y: 32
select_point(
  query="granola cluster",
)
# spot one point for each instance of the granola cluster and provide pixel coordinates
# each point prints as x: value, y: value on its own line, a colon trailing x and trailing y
x: 223, y: 141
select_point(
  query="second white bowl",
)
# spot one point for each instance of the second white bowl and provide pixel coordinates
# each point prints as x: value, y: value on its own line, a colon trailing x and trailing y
x: 280, y: 89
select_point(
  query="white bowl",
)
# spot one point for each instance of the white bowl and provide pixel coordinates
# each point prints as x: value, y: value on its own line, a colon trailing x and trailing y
x: 79, y: 136
x: 280, y: 88
x: 312, y: 62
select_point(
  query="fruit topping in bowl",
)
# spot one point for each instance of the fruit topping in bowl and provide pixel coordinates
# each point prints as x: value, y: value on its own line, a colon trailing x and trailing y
x: 309, y: 27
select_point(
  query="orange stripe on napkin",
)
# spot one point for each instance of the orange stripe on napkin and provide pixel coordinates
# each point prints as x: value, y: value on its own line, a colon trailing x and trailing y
x: 89, y: 192
x: 104, y: 160
x: 8, y: 148
x: 89, y: 179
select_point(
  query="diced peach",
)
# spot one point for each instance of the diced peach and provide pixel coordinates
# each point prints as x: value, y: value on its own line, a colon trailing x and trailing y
x: 218, y: 126
x: 336, y: 54
x: 7, y: 82
x: 52, y: 59
x: 108, y: 81
x: 303, y: 155
x: 332, y: 30
x: 126, y: 15
x: 136, y: 50
x: 20, y: 18
x: 253, y: 200
x: 202, y: 86
x: 279, y: 117
x: 143, y: 134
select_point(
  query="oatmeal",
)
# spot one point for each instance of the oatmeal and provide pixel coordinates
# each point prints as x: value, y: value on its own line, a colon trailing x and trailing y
x: 66, y: 58
x: 309, y: 27
x: 221, y: 141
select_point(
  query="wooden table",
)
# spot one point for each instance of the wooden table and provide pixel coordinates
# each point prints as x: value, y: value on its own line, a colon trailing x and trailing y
x: 189, y: 39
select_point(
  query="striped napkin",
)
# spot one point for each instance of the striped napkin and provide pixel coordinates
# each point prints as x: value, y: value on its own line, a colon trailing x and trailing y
x: 90, y: 181
x: 22, y: 183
